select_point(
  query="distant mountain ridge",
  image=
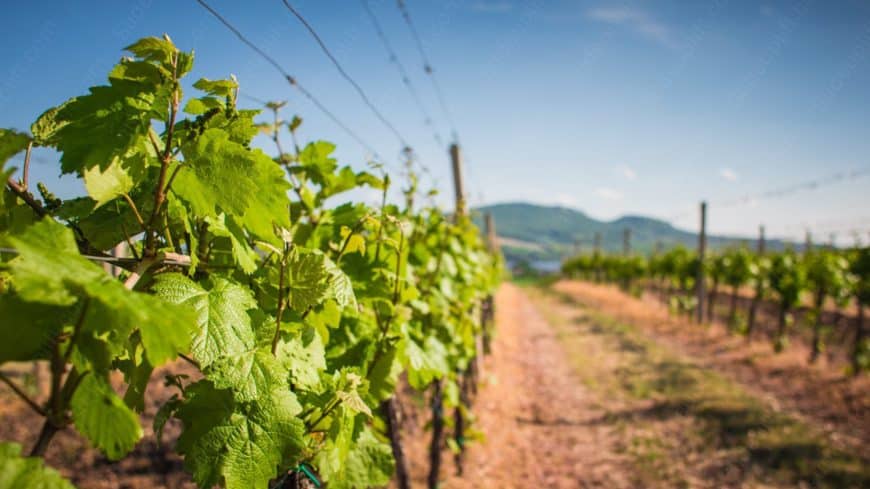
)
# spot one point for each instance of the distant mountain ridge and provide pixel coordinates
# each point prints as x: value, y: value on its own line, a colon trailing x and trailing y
x: 537, y: 232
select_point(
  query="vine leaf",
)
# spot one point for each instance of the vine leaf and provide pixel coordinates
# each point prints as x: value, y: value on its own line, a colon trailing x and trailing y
x: 243, y: 254
x: 104, y: 186
x: 224, y: 327
x: 250, y: 375
x: 11, y: 143
x: 102, y: 416
x: 27, y: 328
x: 424, y: 365
x: 27, y: 472
x: 216, y: 170
x: 369, y: 463
x: 49, y: 270
x: 314, y: 278
x: 304, y: 356
x: 239, y: 444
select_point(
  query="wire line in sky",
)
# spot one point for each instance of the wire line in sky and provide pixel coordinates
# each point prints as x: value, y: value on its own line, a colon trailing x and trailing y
x: 365, y: 98
x: 403, y: 73
x: 797, y: 187
x: 291, y: 80
x: 427, y: 66
x: 784, y: 191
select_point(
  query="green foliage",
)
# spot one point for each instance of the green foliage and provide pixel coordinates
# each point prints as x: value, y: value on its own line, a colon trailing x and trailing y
x: 787, y: 278
x: 104, y: 419
x: 299, y: 317
x: 737, y: 266
x: 27, y: 472
x: 11, y: 143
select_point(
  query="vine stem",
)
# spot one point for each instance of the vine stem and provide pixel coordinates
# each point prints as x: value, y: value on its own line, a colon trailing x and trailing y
x: 135, y: 210
x: 28, y: 198
x: 160, y: 189
x: 25, y: 179
x: 61, y: 390
x: 385, y: 328
x: 189, y: 360
x: 279, y: 316
x: 326, y: 412
x: 356, y: 229
x: 20, y: 392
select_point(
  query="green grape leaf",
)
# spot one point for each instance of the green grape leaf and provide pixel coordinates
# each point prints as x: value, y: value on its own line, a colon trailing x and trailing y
x: 331, y: 458
x: 224, y: 327
x: 369, y: 463
x: 423, y: 365
x: 240, y: 445
x: 12, y: 143
x: 243, y: 254
x: 45, y: 128
x: 250, y: 375
x: 366, y: 178
x: 153, y: 49
x: 269, y: 206
x: 314, y: 278
x: 28, y: 328
x: 49, y: 270
x: 315, y: 158
x: 355, y: 242
x: 384, y: 374
x: 304, y: 357
x: 109, y: 184
x: 352, y: 400
x: 199, y: 106
x: 216, y: 173
x: 95, y: 129
x: 166, y: 411
x: 220, y: 88
x: 348, y: 385
x: 27, y: 472
x: 104, y: 419
x: 137, y: 381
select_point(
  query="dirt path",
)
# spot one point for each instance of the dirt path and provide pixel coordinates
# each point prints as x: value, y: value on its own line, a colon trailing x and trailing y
x: 539, y: 420
x: 574, y: 396
x: 822, y: 394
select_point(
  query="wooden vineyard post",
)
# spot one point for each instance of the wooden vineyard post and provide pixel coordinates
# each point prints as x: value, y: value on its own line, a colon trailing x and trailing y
x: 702, y: 248
x: 808, y: 243
x: 437, y: 400
x: 458, y: 181
x: 625, y: 283
x: 598, y: 256
x: 491, y: 239
x: 487, y: 314
x: 437, y: 435
x: 390, y: 411
x: 753, y: 306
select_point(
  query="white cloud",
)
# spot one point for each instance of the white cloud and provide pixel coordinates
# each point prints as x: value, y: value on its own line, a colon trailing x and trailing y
x: 634, y: 19
x: 566, y: 200
x: 628, y: 172
x: 492, y: 7
x: 608, y: 193
x: 728, y: 174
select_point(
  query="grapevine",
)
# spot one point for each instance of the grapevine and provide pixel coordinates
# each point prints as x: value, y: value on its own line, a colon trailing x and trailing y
x: 826, y: 274
x: 299, y: 317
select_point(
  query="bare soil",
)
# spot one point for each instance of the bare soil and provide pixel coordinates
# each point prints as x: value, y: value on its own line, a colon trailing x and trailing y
x: 822, y: 393
x: 539, y: 421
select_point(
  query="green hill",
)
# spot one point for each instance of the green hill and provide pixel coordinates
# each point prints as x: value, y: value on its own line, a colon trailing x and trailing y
x: 536, y: 232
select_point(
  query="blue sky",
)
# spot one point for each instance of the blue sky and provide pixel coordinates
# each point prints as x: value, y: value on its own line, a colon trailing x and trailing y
x: 634, y: 107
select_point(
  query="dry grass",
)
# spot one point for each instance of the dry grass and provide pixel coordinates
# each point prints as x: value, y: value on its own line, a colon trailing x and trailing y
x: 682, y: 423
